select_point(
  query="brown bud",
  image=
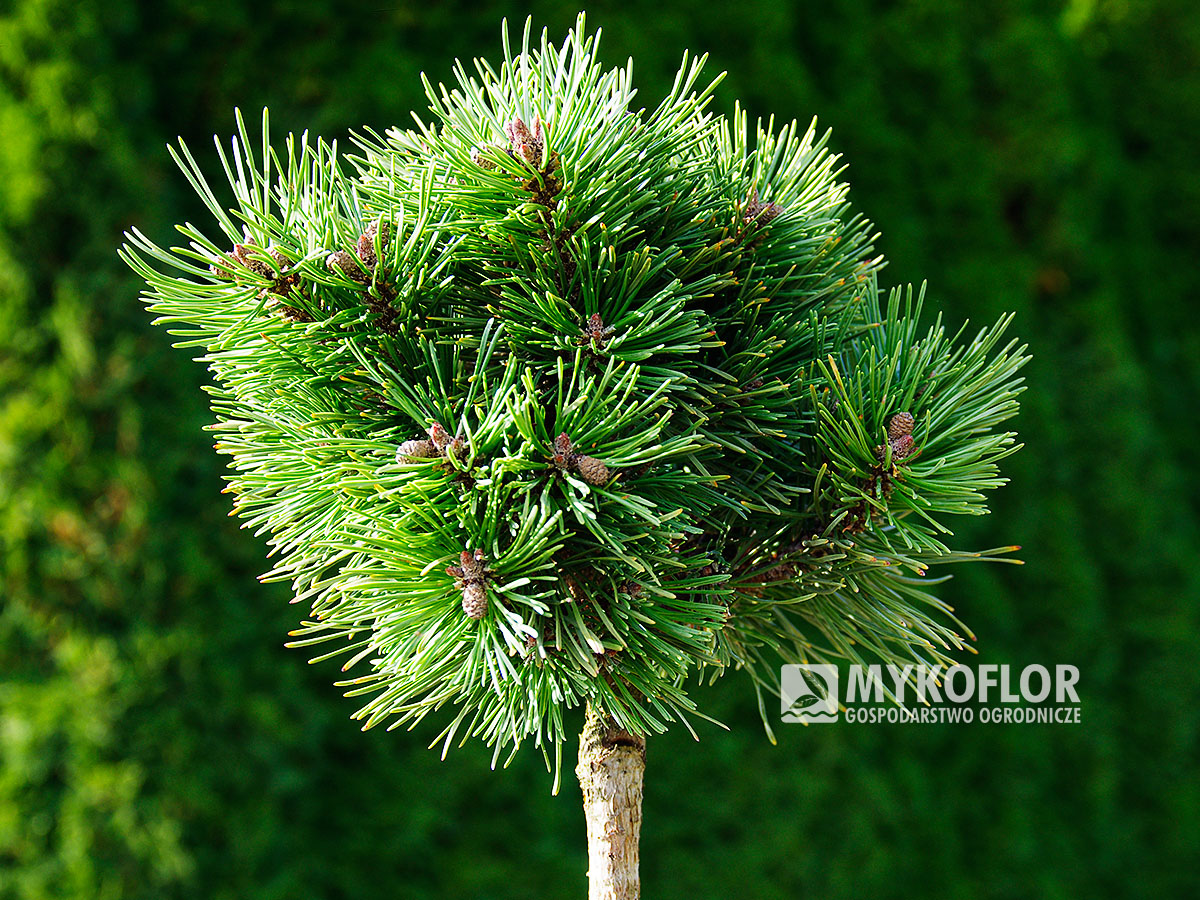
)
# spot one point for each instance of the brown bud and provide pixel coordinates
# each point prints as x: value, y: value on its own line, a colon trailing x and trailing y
x: 526, y: 145
x: 223, y: 268
x: 440, y: 437
x: 416, y: 449
x: 903, y: 447
x: 595, y: 332
x: 902, y: 423
x: 472, y: 564
x: 366, y: 251
x: 481, y: 160
x: 242, y: 253
x: 343, y: 263
x: 592, y: 470
x: 768, y: 213
x: 475, y: 601
x: 366, y: 243
x: 758, y: 213
x: 284, y: 281
x: 562, y: 451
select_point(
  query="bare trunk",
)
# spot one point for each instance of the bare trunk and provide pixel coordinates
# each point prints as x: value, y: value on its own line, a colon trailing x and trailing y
x: 611, y: 763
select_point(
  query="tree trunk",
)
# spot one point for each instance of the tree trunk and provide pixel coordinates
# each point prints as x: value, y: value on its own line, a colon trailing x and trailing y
x: 611, y: 763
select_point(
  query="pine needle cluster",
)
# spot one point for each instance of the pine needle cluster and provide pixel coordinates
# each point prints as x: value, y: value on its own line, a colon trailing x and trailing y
x: 555, y: 399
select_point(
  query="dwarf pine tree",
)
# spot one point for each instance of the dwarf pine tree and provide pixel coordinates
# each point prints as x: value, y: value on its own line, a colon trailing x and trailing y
x: 554, y: 402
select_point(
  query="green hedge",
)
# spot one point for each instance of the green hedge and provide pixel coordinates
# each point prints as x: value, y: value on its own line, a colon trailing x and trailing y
x: 156, y: 741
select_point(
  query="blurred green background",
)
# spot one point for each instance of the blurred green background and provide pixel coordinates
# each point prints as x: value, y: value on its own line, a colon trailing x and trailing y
x: 157, y: 741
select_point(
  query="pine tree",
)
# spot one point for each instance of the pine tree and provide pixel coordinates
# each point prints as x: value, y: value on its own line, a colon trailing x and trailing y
x: 555, y: 402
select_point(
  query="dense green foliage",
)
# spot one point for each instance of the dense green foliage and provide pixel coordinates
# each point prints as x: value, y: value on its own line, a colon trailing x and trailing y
x: 655, y: 396
x: 157, y: 742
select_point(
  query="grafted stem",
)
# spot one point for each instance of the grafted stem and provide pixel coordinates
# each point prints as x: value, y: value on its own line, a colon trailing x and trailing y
x: 611, y: 764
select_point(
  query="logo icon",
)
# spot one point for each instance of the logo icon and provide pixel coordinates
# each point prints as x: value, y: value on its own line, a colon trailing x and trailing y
x: 808, y: 694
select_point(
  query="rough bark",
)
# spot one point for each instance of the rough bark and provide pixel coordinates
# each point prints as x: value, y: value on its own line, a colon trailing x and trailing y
x: 611, y: 764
